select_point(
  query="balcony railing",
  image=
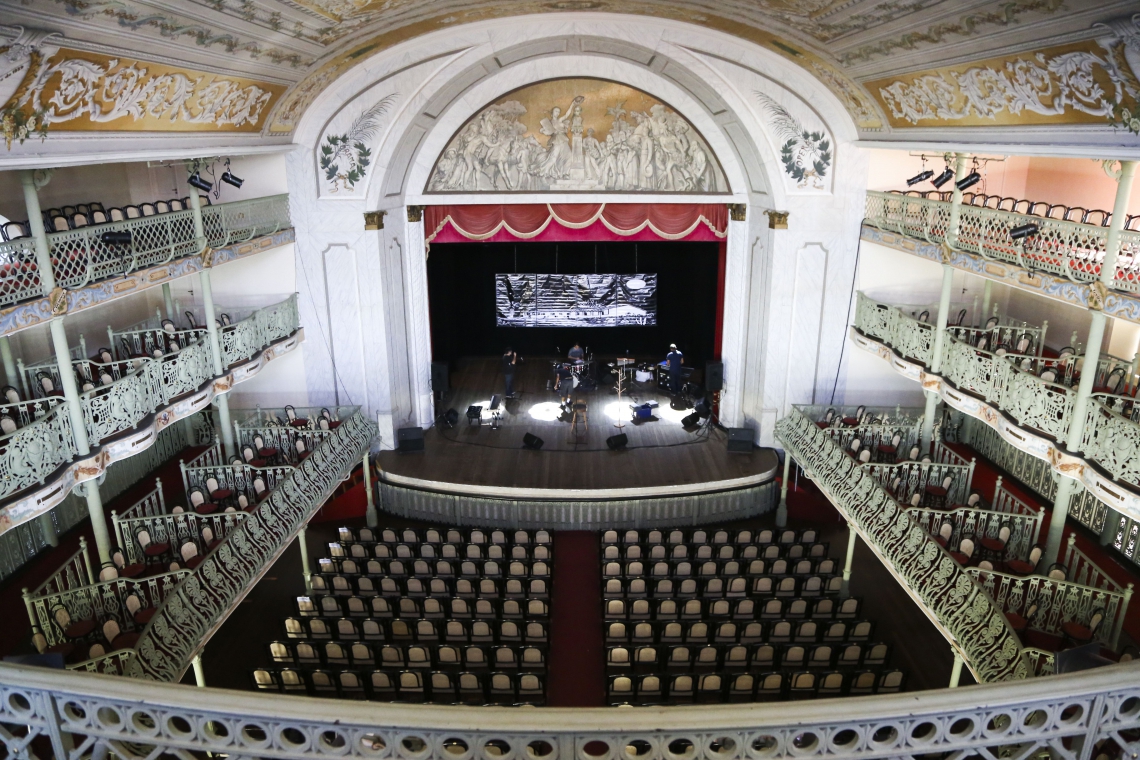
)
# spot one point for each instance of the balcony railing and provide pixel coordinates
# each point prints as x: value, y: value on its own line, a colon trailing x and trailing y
x: 967, y: 616
x: 1069, y: 249
x: 1038, y: 393
x: 202, y: 602
x: 144, y: 386
x: 80, y: 257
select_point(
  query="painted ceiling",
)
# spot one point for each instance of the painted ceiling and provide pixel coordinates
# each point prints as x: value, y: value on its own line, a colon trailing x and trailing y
x: 892, y: 63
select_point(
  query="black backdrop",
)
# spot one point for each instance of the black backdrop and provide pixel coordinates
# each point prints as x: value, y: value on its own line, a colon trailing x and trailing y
x: 461, y: 289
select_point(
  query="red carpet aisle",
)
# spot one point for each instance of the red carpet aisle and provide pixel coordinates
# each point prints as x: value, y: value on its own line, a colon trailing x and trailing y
x: 15, y: 635
x: 576, y: 665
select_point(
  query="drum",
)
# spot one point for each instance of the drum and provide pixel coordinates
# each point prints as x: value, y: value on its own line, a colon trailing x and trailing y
x: 644, y: 376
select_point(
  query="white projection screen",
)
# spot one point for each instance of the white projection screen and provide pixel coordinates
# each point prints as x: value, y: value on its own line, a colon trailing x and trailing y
x: 575, y: 300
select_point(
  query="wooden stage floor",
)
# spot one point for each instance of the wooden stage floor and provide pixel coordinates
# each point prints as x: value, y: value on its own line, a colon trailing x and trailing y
x: 660, y: 452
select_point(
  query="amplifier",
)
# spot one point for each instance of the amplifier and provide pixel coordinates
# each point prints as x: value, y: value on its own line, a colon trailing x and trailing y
x: 410, y: 439
x: 740, y: 440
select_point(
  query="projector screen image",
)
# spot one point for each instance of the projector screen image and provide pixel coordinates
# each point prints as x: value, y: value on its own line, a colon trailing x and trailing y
x: 575, y: 300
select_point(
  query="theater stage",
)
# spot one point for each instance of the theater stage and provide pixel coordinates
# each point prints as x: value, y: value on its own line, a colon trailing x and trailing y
x: 662, y: 458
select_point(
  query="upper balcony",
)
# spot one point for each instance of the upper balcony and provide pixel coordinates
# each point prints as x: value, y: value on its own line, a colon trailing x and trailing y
x: 1062, y: 260
x: 98, y: 263
x: 1028, y: 398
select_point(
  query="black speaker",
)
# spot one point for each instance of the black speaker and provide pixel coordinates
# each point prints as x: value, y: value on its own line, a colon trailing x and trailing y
x: 740, y: 440
x: 714, y: 376
x: 439, y: 377
x: 532, y: 442
x: 692, y: 420
x: 617, y: 442
x: 703, y: 408
x: 451, y: 417
x: 410, y: 439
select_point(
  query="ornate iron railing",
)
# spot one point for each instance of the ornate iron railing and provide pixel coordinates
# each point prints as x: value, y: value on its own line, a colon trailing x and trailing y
x: 243, y: 340
x: 73, y: 573
x: 81, y: 256
x: 148, y: 341
x: 982, y: 523
x: 963, y: 611
x: 175, y: 529
x: 1074, y: 715
x: 111, y: 409
x: 1069, y: 249
x: 241, y: 479
x: 202, y: 602
x: 905, y: 479
x: 37, y: 449
x: 909, y: 337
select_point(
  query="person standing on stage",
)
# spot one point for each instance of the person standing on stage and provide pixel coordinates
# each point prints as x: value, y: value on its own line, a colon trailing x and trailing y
x: 675, y: 359
x: 510, y: 360
x: 565, y: 383
x: 576, y: 354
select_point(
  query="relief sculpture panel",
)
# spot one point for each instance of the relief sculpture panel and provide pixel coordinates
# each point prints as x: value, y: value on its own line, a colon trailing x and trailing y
x: 577, y: 135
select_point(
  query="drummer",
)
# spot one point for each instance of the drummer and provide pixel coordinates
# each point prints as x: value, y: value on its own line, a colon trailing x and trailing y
x: 576, y: 355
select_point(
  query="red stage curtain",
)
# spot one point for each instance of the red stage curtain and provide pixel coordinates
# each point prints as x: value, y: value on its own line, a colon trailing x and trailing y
x: 576, y: 221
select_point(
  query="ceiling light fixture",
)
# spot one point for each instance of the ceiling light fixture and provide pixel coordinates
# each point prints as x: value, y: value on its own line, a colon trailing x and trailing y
x: 943, y: 178
x: 197, y: 181
x: 1023, y: 231
x: 968, y: 181
x: 230, y: 179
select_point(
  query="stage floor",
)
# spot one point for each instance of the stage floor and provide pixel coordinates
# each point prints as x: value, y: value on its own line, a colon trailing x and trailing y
x: 660, y: 452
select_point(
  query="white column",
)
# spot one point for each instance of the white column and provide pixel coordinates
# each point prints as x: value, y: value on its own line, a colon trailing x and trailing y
x: 371, y: 519
x: 10, y: 374
x: 168, y: 298
x: 199, y: 671
x: 782, y: 509
x: 303, y: 545
x: 1057, y: 518
x: 63, y: 363
x: 956, y: 673
x: 851, y: 536
x: 418, y: 318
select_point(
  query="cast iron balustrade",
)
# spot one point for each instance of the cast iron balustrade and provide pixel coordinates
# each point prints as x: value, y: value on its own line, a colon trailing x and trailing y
x: 80, y: 257
x: 1069, y: 249
x: 143, y: 386
x: 964, y: 612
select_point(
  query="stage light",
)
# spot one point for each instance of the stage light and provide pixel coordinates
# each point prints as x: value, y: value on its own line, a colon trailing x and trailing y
x: 617, y: 442
x: 230, y: 179
x: 546, y: 411
x: 969, y: 180
x: 532, y: 442
x: 920, y: 177
x: 943, y: 178
x: 197, y: 181
x: 1023, y: 231
x: 116, y: 237
x: 692, y: 420
x: 451, y: 417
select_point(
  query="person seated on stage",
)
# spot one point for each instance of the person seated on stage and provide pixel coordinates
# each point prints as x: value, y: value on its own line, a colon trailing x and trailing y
x: 565, y: 383
x: 675, y: 359
x: 510, y: 360
x: 576, y: 354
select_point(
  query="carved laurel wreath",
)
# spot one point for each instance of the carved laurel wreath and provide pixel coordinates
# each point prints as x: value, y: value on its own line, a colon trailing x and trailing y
x: 815, y: 139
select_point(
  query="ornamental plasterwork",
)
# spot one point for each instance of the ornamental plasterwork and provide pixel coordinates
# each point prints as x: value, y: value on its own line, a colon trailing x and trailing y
x: 89, y: 91
x: 577, y: 135
x: 345, y: 153
x: 1076, y: 83
x: 805, y: 148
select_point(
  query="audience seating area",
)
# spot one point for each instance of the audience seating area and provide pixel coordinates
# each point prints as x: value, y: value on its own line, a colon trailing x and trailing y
x: 733, y: 616
x: 66, y: 218
x: 413, y: 615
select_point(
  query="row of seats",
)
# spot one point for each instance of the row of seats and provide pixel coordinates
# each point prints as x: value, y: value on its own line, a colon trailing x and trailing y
x: 407, y: 686
x: 381, y: 608
x: 773, y: 632
x: 504, y: 657
x: 757, y: 658
x: 464, y: 588
x: 747, y: 687
x: 718, y: 568
x: 715, y: 537
x: 423, y: 631
x: 393, y: 536
x: 85, y: 214
x: 732, y: 588
x: 357, y: 550
x: 443, y: 568
x: 741, y: 609
x: 700, y: 552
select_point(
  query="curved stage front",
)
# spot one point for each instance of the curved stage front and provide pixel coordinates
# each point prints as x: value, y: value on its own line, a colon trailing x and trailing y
x: 477, y: 474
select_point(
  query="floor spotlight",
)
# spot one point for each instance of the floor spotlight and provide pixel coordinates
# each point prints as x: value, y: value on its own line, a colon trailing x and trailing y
x: 532, y: 442
x: 943, y: 178
x: 1023, y: 231
x: 617, y: 442
x: 197, y: 181
x: 920, y: 177
x: 230, y: 179
x: 969, y: 180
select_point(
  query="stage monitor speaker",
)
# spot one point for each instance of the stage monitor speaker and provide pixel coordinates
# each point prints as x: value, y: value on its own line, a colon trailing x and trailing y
x: 451, y: 417
x: 740, y: 440
x: 532, y: 442
x: 410, y: 439
x: 692, y: 420
x: 439, y: 377
x: 617, y: 442
x: 714, y: 376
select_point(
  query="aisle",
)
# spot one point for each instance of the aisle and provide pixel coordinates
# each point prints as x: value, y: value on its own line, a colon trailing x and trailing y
x: 576, y: 659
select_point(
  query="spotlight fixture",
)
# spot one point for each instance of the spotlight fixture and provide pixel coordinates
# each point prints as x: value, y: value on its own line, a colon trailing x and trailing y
x: 1023, y: 231
x: 532, y: 442
x: 920, y: 177
x: 943, y: 178
x: 968, y: 181
x: 197, y: 181
x: 116, y: 237
x: 230, y: 179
